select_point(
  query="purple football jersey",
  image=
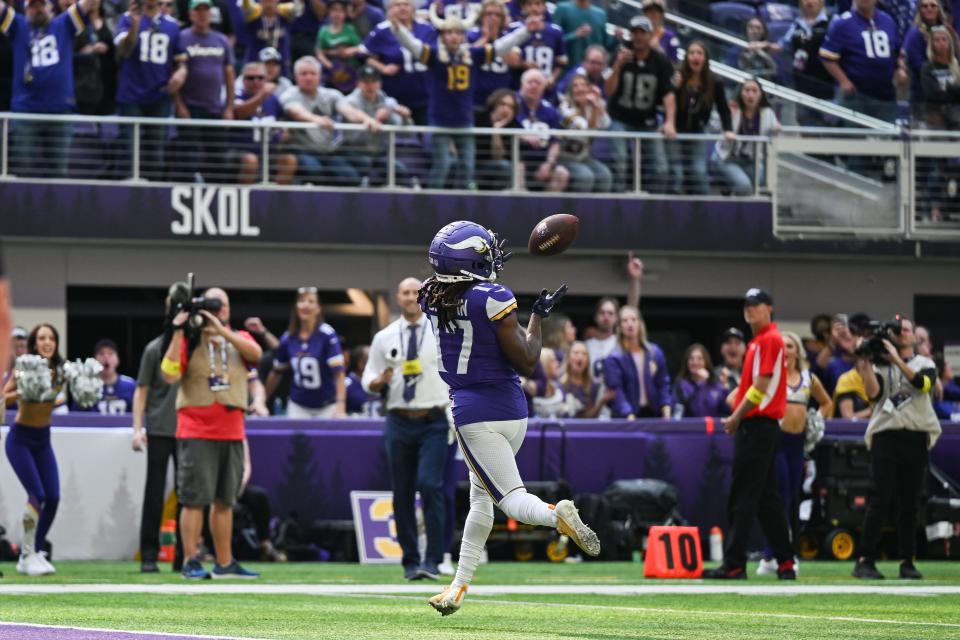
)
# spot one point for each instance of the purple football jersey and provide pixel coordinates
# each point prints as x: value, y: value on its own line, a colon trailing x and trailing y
x: 42, y: 60
x: 490, y: 77
x: 452, y: 86
x: 409, y: 85
x: 144, y: 75
x: 313, y: 363
x: 484, y: 386
x: 546, y: 48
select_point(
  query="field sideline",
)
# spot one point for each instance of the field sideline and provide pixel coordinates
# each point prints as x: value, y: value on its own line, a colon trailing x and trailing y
x: 510, y: 600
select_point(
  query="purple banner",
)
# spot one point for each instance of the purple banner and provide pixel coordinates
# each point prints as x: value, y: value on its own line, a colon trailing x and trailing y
x: 229, y: 213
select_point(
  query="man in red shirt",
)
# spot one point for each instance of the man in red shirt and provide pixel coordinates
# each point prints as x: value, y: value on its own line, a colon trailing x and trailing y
x: 755, y: 424
x: 213, y: 370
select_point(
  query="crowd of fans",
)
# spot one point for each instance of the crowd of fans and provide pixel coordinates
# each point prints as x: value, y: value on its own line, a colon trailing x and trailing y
x: 453, y: 64
x: 608, y: 370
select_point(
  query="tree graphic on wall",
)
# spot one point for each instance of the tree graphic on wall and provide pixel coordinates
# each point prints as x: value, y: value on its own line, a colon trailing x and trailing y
x: 712, y: 501
x: 301, y: 490
x: 658, y: 464
x: 121, y: 516
x: 71, y: 516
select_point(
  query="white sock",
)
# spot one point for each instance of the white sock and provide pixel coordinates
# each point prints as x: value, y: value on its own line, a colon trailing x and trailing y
x: 528, y: 508
x: 475, y: 532
x: 30, y: 517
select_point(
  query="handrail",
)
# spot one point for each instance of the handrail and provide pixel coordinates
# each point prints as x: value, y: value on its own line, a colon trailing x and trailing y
x: 772, y: 88
x: 341, y: 126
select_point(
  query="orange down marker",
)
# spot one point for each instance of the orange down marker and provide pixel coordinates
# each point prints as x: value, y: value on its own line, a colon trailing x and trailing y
x: 673, y: 552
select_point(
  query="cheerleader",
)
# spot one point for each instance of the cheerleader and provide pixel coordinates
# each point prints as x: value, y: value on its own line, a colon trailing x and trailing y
x: 28, y: 445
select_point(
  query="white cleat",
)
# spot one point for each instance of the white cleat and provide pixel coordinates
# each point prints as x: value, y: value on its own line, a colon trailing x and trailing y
x: 767, y: 567
x: 570, y: 524
x: 33, y: 565
x: 446, y: 567
x: 449, y: 600
x: 46, y: 563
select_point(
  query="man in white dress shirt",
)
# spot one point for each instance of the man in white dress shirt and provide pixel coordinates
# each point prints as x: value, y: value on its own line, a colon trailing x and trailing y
x: 403, y: 359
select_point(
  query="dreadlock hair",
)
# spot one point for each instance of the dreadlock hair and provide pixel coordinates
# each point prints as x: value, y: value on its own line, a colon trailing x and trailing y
x: 443, y: 298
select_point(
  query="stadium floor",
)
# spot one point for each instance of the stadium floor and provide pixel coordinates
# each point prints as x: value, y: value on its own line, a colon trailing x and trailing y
x: 113, y: 601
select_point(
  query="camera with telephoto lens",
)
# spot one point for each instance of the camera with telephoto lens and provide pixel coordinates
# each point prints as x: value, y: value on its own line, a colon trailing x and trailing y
x: 182, y: 298
x: 873, y: 346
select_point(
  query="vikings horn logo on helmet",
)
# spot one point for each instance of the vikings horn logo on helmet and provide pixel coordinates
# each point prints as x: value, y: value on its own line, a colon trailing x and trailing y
x: 476, y: 243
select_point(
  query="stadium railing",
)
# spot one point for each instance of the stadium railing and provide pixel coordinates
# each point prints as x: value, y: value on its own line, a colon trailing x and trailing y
x: 822, y: 182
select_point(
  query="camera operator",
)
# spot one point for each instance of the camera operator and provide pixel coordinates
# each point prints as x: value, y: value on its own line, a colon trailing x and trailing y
x: 212, y: 363
x: 902, y: 428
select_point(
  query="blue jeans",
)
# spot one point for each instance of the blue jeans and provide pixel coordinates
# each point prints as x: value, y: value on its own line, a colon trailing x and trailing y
x: 40, y: 149
x: 152, y: 138
x: 688, y: 162
x: 417, y: 455
x: 653, y: 157
x: 494, y: 175
x: 739, y: 174
x: 442, y: 161
x: 588, y: 175
x: 327, y: 169
x: 375, y: 168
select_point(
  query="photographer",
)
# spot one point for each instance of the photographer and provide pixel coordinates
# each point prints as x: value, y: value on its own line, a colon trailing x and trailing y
x: 902, y: 429
x: 212, y: 364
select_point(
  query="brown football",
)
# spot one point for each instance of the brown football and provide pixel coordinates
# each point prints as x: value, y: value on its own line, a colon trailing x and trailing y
x: 554, y: 234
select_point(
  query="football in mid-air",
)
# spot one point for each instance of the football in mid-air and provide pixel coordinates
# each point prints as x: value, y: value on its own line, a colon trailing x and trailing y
x: 554, y: 234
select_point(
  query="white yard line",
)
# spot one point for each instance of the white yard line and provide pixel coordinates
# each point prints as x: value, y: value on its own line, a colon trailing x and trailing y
x: 694, y: 588
x: 157, y: 634
x: 706, y: 613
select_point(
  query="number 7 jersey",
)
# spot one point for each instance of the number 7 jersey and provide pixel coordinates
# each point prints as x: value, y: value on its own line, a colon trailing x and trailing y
x: 484, y: 386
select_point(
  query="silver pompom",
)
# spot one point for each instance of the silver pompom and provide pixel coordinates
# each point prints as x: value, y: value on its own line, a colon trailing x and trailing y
x: 34, y: 383
x: 84, y: 380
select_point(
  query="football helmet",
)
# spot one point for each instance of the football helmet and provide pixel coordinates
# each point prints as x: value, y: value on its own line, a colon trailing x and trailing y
x: 464, y: 250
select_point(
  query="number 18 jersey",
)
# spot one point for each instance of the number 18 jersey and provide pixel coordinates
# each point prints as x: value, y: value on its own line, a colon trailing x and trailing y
x: 484, y: 386
x: 313, y: 363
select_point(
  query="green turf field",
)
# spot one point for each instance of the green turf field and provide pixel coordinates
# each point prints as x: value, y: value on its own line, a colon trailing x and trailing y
x: 832, y: 616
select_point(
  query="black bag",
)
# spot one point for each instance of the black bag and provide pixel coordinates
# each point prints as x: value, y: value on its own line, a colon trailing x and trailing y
x: 644, y: 502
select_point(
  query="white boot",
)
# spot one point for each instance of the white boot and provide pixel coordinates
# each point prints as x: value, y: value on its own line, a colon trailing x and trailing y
x: 767, y: 567
x: 32, y: 564
x: 446, y: 567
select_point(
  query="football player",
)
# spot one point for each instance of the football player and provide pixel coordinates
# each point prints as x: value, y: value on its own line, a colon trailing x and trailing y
x: 482, y: 350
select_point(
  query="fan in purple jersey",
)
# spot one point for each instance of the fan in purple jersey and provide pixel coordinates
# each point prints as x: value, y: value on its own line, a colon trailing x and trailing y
x: 404, y: 78
x: 453, y: 67
x: 594, y: 68
x: 539, y: 150
x: 545, y: 49
x: 482, y: 348
x: 862, y: 53
x: 42, y: 51
x: 117, y: 394
x: 310, y: 349
x: 257, y: 100
x: 268, y: 24
x: 496, y: 74
x: 152, y: 69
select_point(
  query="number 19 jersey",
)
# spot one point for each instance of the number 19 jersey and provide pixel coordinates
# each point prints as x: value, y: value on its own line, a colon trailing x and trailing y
x: 313, y: 363
x: 484, y: 386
